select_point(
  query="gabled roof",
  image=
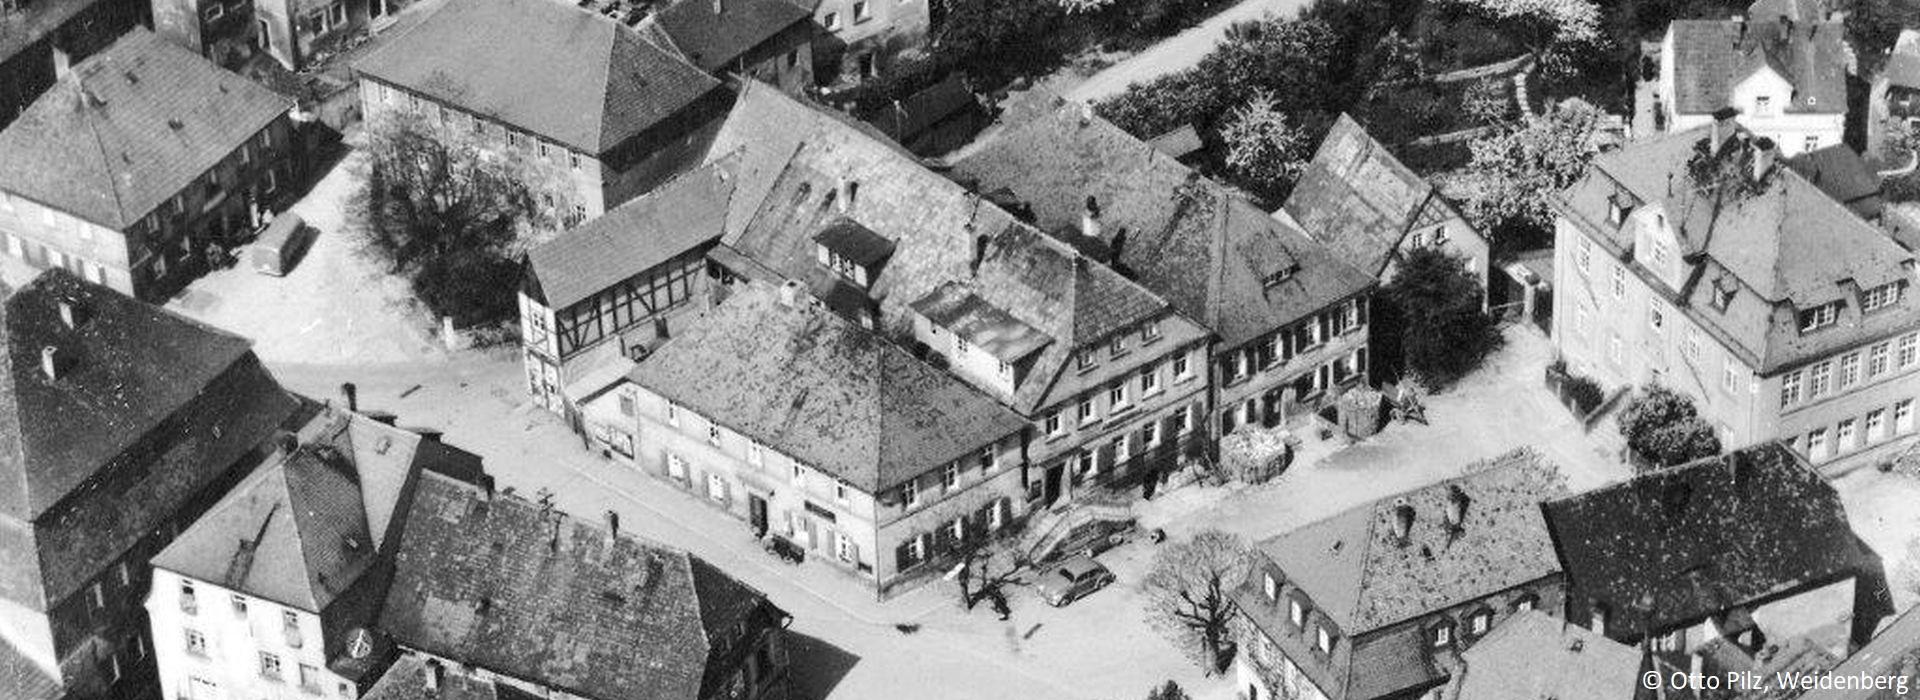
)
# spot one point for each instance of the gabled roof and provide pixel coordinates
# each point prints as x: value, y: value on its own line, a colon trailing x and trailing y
x: 712, y: 33
x: 1363, y: 577
x: 304, y: 527
x: 1357, y: 198
x: 1783, y: 247
x: 407, y: 679
x: 821, y: 389
x: 1207, y: 250
x: 518, y: 589
x: 1712, y: 57
x: 1536, y: 656
x: 129, y: 128
x: 675, y: 218
x: 1841, y: 173
x: 563, y: 73
x: 1674, y: 546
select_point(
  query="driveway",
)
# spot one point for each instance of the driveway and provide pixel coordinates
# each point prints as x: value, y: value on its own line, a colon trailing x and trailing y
x: 1175, y: 53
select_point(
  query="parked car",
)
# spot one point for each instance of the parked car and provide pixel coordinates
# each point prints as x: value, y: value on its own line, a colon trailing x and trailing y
x: 1072, y: 580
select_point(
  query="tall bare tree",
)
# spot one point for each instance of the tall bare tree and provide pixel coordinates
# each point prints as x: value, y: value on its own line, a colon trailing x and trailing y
x: 1189, y: 594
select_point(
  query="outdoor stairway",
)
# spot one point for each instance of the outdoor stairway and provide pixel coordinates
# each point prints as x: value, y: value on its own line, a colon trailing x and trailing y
x: 1052, y: 527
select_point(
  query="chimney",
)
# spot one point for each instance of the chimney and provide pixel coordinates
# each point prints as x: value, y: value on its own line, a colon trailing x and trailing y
x: 790, y: 293
x: 1723, y: 127
x: 381, y: 417
x: 432, y: 675
x: 1402, y: 521
x: 843, y: 194
x: 50, y: 362
x: 486, y: 488
x: 352, y: 395
x: 69, y: 316
x: 1090, y: 219
x: 613, y: 524
x: 1741, y: 22
x: 1457, y: 502
x: 1764, y: 156
x: 980, y: 243
x: 719, y: 6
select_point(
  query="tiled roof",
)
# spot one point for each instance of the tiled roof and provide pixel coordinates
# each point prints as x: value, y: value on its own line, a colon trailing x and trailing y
x: 817, y: 387
x: 1885, y: 656
x: 1363, y: 577
x: 1357, y: 198
x: 1535, y: 656
x: 407, y: 679
x: 1187, y: 238
x: 1674, y: 546
x: 303, y: 528
x: 1712, y: 57
x: 1784, y: 248
x: 30, y: 22
x: 679, y: 216
x: 556, y: 70
x: 22, y: 679
x: 516, y: 588
x: 712, y: 33
x: 1841, y: 173
x: 129, y: 128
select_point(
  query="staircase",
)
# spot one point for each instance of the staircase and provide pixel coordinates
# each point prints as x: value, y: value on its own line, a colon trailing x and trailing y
x: 1054, y: 527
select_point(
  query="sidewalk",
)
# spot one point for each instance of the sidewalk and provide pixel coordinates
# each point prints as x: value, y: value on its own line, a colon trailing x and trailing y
x: 1176, y: 53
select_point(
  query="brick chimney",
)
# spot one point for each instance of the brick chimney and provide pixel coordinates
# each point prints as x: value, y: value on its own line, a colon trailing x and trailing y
x: 1457, y: 501
x: 50, y: 362
x: 1765, y: 155
x: 1402, y: 521
x: 1090, y: 219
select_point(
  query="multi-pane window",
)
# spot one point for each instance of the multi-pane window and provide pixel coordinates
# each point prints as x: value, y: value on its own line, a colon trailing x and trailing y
x: 1880, y: 297
x: 1876, y: 425
x: 1909, y: 350
x: 1848, y: 432
x: 1296, y: 613
x: 1117, y: 396
x: 1270, y: 586
x: 1086, y: 360
x: 1850, y: 370
x: 1619, y: 282
x: 1820, y: 379
x: 1690, y: 344
x: 1903, y: 416
x: 1819, y: 317
x: 713, y: 432
x: 1441, y: 635
x: 1323, y: 639
x: 1150, y: 332
x: 1180, y: 368
x: 1085, y: 410
x: 1791, y: 387
x: 950, y: 477
x: 910, y: 493
x: 1583, y: 254
x: 1817, y: 443
x: 1053, y: 423
x: 1878, y: 359
x: 1149, y: 379
x: 1729, y: 376
x: 196, y: 643
x: 1117, y: 346
x: 1655, y: 320
x: 989, y: 460
x: 269, y: 666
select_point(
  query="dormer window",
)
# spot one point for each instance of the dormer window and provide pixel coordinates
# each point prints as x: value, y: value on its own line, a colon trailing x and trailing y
x: 1086, y: 360
x: 1324, y: 640
x: 1274, y: 279
x: 1297, y: 614
x: 1819, y: 317
x: 1117, y: 346
x: 1441, y: 635
x: 841, y: 265
x: 1150, y: 332
x: 1880, y: 297
x: 1723, y: 292
x: 1618, y: 209
x: 1479, y: 622
x: 1598, y: 621
x: 1269, y: 586
x: 1763, y: 106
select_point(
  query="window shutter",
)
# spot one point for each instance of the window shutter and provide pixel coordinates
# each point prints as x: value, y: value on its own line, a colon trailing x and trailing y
x: 903, y: 555
x: 1361, y: 313
x: 1106, y: 457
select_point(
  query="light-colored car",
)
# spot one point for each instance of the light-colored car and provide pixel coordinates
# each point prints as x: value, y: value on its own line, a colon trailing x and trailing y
x: 1072, y: 580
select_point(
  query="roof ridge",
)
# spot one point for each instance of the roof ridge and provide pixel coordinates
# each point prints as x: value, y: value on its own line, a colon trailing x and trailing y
x: 93, y: 130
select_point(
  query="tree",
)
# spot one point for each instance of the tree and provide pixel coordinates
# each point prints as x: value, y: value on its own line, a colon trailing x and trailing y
x: 446, y: 215
x: 1188, y: 594
x: 1664, y: 427
x: 1514, y: 174
x: 1170, y: 691
x: 1265, y: 151
x: 1431, y: 307
x: 1543, y: 24
x: 1874, y: 26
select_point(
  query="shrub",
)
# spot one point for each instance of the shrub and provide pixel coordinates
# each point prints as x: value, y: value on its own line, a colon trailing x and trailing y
x: 1584, y: 393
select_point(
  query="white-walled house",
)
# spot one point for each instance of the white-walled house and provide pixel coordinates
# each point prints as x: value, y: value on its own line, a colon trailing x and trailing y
x: 1787, y: 79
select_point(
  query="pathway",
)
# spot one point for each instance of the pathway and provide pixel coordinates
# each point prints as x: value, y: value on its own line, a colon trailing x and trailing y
x: 1175, y: 53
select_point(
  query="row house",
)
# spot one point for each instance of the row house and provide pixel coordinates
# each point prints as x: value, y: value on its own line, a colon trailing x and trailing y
x: 610, y: 113
x: 1695, y: 261
x: 1784, y: 70
x: 496, y: 596
x: 1110, y: 377
x: 1287, y: 314
x: 766, y: 40
x: 297, y: 34
x: 812, y: 429
x: 139, y: 164
x: 1382, y: 600
x: 1769, y: 533
x: 40, y: 40
x: 271, y: 593
x: 859, y: 40
x: 1357, y: 199
x: 595, y: 298
x: 124, y: 423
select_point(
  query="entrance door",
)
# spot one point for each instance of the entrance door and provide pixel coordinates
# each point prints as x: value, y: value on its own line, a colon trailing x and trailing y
x: 757, y: 514
x: 1056, y: 474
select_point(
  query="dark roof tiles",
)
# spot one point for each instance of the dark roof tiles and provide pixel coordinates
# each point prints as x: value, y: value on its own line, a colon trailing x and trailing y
x: 1712, y: 57
x: 129, y: 128
x: 563, y: 73
x: 713, y: 33
x: 678, y: 217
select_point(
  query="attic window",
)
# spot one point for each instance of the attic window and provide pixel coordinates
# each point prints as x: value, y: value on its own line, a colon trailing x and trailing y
x: 1723, y: 291
x: 1819, y: 317
x: 1274, y: 279
x: 1618, y: 208
x: 1880, y: 297
x: 1441, y: 635
x: 1269, y: 586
